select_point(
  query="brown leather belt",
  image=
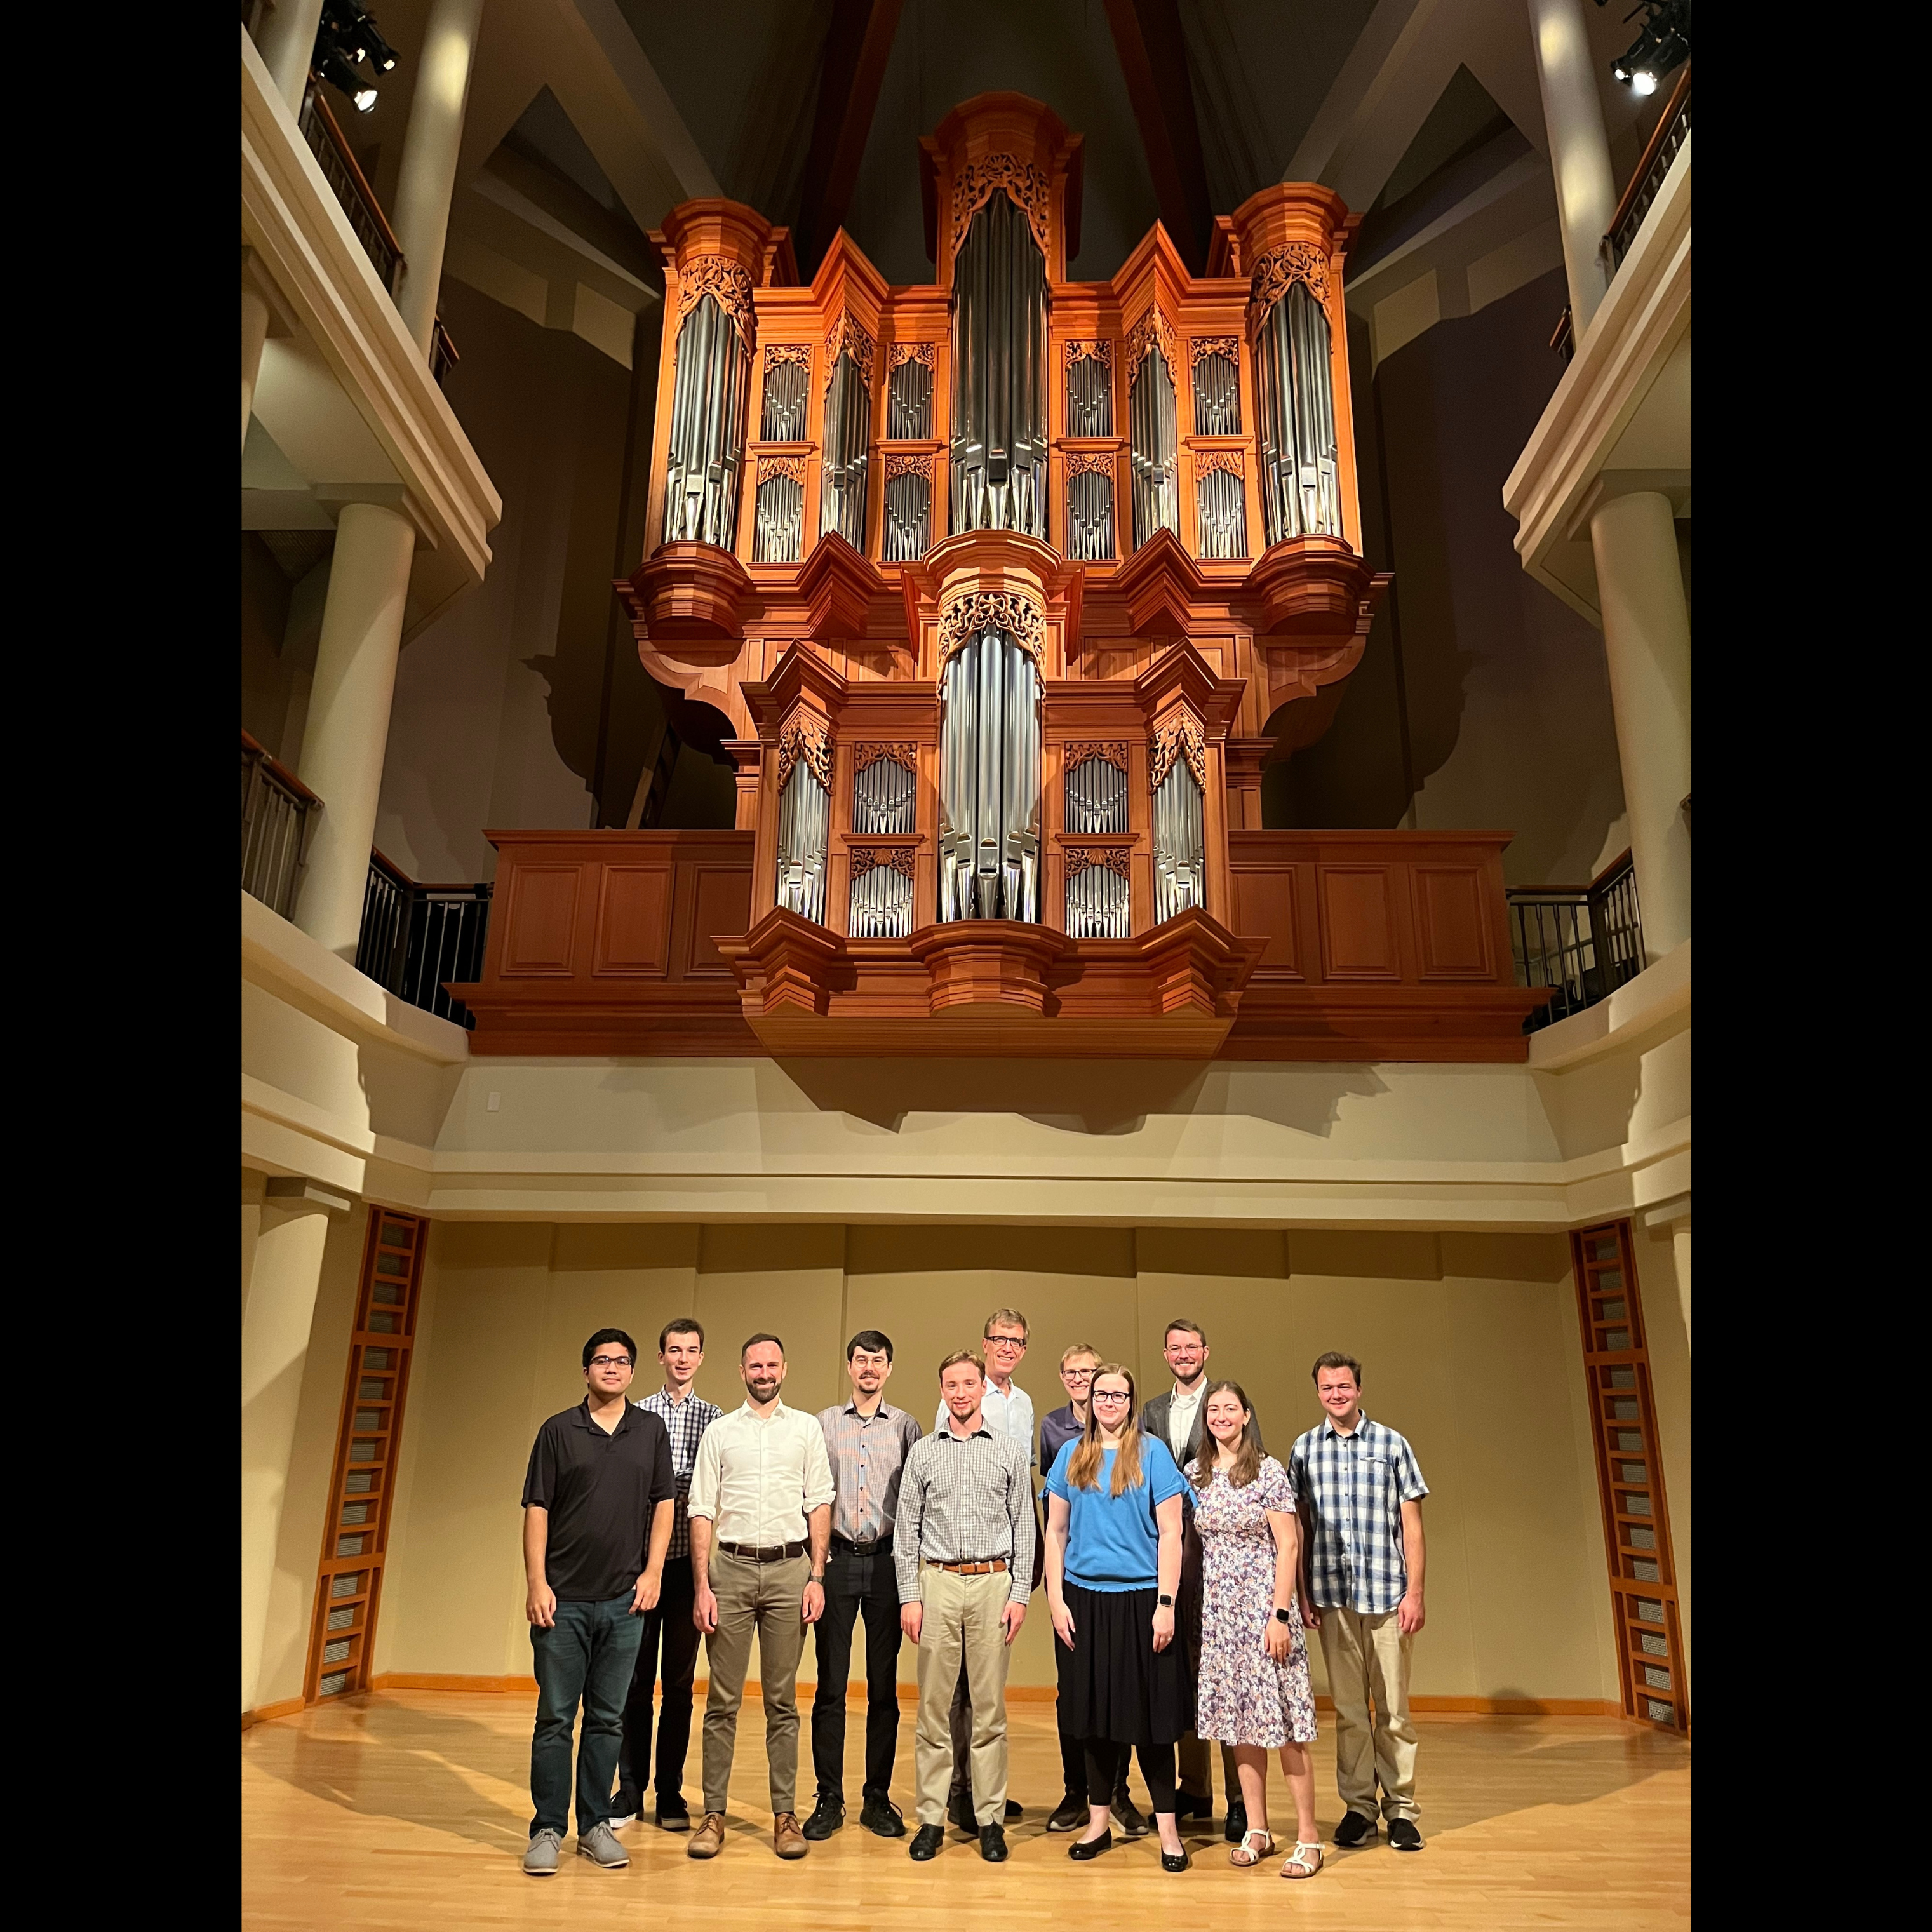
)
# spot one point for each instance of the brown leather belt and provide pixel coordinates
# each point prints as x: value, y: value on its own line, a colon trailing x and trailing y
x: 778, y: 1553
x: 983, y: 1567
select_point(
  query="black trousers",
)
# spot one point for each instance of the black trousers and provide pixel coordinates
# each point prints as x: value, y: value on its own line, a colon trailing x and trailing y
x: 1106, y: 1762
x: 670, y: 1634
x: 1073, y: 1750
x: 856, y: 1582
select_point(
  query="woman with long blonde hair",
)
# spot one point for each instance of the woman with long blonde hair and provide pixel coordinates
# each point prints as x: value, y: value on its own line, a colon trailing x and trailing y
x: 1113, y: 1565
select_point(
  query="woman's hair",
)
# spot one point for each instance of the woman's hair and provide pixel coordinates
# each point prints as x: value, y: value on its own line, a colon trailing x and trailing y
x: 1083, y: 1470
x: 1247, y: 1455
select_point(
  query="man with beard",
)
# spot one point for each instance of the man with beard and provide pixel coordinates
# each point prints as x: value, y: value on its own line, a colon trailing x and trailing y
x: 761, y: 1496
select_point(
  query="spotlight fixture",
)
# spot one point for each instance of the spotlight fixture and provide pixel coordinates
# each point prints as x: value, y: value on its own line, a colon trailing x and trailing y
x: 347, y: 41
x: 1662, y: 45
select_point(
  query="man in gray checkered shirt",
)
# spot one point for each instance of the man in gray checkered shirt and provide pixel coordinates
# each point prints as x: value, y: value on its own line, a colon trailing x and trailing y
x: 1358, y: 1492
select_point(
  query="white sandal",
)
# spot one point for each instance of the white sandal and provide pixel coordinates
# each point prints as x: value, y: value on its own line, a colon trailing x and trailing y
x: 1297, y: 1865
x: 1247, y: 1853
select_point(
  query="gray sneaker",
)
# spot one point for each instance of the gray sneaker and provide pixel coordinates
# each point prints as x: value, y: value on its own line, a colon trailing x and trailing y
x: 597, y: 1845
x: 540, y: 1861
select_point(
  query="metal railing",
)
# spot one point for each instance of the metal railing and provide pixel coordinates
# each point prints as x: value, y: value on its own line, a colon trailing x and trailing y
x: 414, y: 937
x: 352, y: 188
x: 1667, y: 139
x: 276, y: 809
x: 442, y: 355
x: 1585, y: 940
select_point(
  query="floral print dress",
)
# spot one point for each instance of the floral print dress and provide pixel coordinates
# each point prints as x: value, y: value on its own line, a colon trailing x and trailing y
x: 1245, y: 1696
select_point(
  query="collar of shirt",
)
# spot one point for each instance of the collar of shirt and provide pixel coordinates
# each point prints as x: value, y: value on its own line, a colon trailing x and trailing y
x: 1361, y: 1424
x: 584, y: 1420
x: 750, y: 1415
x: 677, y: 1397
x: 950, y: 1429
x: 884, y: 1411
x: 1183, y: 1399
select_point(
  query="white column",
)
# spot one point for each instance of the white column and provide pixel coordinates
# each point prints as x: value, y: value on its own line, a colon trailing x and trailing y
x: 428, y: 173
x: 287, y: 44
x: 1680, y: 1250
x: 1580, y: 150
x: 1647, y: 646
x: 347, y: 730
x: 277, y: 1311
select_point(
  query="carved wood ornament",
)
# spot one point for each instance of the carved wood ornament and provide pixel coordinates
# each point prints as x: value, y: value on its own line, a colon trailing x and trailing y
x: 848, y: 337
x: 1209, y: 460
x: 1082, y: 463
x: 805, y: 736
x: 776, y: 352
x: 900, y: 353
x: 1183, y: 739
x: 1102, y: 353
x: 864, y: 756
x: 729, y: 285
x: 792, y: 467
x: 1113, y: 751
x: 1199, y: 347
x: 1026, y: 186
x: 908, y: 465
x: 1152, y: 330
x: 869, y: 858
x: 967, y: 617
x: 1277, y: 271
x: 1114, y: 858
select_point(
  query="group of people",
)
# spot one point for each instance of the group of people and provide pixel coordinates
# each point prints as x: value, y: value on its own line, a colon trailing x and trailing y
x: 1181, y: 1564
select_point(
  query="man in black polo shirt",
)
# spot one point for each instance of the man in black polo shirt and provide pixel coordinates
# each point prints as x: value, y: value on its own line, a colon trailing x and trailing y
x: 600, y: 1487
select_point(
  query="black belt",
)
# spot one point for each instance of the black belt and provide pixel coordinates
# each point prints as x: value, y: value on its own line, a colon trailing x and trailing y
x: 778, y: 1553
x: 871, y: 1545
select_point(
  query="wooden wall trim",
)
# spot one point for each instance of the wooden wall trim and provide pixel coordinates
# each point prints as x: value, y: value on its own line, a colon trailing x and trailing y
x: 284, y: 1707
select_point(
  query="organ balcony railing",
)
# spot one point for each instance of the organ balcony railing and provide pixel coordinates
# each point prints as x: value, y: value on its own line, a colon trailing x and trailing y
x: 415, y: 937
x: 1585, y: 941
x: 277, y: 811
x: 1666, y: 141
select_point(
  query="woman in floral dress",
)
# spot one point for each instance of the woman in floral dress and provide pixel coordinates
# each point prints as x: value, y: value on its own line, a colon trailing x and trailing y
x: 1254, y: 1691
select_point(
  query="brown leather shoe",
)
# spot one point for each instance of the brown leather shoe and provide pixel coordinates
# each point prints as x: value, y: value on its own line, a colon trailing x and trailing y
x: 708, y: 1841
x: 788, y: 1841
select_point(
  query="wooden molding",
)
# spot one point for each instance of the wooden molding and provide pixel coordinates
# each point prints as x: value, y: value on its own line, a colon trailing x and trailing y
x: 284, y: 1707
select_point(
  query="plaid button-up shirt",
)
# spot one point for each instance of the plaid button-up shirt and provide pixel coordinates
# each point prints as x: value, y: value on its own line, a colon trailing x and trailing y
x: 963, y: 1499
x: 687, y: 1421
x: 867, y: 1454
x: 1354, y: 1487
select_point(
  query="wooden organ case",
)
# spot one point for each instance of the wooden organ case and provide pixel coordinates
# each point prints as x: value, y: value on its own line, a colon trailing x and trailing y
x: 1010, y: 587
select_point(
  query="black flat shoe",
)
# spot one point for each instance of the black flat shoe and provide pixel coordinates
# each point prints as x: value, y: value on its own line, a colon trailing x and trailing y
x: 1402, y: 1835
x: 1175, y: 1861
x: 1091, y: 1848
x: 882, y: 1819
x: 1353, y: 1829
x: 828, y: 1816
x: 993, y: 1844
x: 926, y: 1842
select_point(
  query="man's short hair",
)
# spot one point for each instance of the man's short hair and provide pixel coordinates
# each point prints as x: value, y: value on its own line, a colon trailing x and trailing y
x: 685, y: 1325
x: 604, y: 1335
x: 959, y: 1355
x: 1335, y: 1359
x: 1009, y: 1317
x: 751, y: 1341
x: 872, y: 1342
x: 1079, y: 1348
x: 1186, y: 1327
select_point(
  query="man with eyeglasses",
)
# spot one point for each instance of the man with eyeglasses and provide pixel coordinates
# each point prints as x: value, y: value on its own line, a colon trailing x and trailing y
x: 1059, y: 1426
x: 1007, y: 1409
x: 599, y: 1498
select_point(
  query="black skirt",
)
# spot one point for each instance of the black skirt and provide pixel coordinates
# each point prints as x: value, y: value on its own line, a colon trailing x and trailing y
x: 1113, y: 1683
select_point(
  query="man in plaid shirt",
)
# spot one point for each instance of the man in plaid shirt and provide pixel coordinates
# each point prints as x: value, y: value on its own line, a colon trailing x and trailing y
x: 686, y: 1416
x: 1358, y: 1492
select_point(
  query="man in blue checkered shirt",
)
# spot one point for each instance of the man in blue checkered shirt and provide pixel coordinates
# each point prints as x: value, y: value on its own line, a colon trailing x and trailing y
x: 1359, y: 1494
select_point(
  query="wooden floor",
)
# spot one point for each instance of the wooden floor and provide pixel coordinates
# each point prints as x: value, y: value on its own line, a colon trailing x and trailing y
x: 410, y: 1810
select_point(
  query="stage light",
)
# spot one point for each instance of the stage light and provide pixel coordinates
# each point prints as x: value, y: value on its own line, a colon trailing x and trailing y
x: 1662, y: 44
x: 1643, y: 82
x: 346, y: 39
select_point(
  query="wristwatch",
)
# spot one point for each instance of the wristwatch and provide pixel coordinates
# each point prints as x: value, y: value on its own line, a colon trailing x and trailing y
x: 1165, y: 1603
x: 820, y: 1579
x: 1284, y: 1616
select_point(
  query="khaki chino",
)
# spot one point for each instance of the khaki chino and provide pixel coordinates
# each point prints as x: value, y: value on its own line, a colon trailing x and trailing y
x: 768, y: 1598
x: 1368, y: 1657
x: 963, y: 1616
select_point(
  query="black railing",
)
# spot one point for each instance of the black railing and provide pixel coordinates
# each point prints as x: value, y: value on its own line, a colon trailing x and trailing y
x: 276, y: 809
x: 442, y: 355
x: 1564, y: 340
x: 340, y: 169
x: 1585, y: 940
x: 414, y: 938
x: 1667, y: 139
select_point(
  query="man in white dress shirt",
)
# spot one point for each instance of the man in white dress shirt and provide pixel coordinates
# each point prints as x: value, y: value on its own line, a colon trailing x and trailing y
x: 1007, y: 1409
x: 761, y: 1517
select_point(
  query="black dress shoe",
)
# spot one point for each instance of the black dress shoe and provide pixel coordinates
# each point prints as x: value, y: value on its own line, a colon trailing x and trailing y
x: 882, y: 1819
x: 1353, y: 1829
x: 993, y: 1844
x: 960, y: 1811
x: 673, y: 1815
x: 1014, y: 1811
x: 1175, y: 1861
x: 1091, y: 1848
x: 828, y: 1815
x: 1236, y: 1829
x: 1186, y: 1806
x: 1402, y: 1835
x: 927, y: 1840
x: 1070, y: 1814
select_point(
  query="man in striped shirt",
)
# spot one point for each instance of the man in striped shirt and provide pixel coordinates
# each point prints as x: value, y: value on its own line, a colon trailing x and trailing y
x: 1358, y: 1492
x: 668, y: 1629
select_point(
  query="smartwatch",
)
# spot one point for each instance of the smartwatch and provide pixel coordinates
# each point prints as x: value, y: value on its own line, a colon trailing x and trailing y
x: 1165, y: 1603
x: 1284, y: 1616
x: 819, y: 1579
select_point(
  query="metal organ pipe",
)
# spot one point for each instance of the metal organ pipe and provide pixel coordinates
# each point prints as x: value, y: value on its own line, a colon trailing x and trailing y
x: 707, y: 428
x: 989, y: 801
x: 805, y: 827
x: 848, y: 407
x: 1295, y: 400
x: 1150, y: 434
x: 1179, y: 843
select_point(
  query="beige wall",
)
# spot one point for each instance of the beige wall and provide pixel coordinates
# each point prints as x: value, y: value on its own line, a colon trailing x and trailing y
x: 1469, y: 1341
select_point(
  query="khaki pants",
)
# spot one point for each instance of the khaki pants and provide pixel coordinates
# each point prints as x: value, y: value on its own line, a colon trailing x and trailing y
x: 1368, y: 1656
x: 768, y: 1597
x: 963, y: 1618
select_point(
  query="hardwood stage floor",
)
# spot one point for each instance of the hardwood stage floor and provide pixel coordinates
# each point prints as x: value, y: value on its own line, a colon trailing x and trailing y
x: 410, y: 1810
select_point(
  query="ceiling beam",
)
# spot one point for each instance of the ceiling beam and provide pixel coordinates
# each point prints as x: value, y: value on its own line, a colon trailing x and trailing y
x: 857, y: 45
x: 1154, y: 62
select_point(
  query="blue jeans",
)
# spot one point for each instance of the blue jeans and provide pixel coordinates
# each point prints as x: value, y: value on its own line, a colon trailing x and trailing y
x: 590, y: 1654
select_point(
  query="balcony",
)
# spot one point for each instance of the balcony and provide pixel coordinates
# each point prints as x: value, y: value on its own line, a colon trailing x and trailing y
x: 276, y: 810
x: 417, y: 938
x: 1583, y: 942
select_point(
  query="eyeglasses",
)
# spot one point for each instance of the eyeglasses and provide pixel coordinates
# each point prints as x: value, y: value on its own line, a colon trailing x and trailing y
x: 610, y: 1361
x: 1076, y: 1375
x: 1112, y: 1395
x: 1005, y: 1341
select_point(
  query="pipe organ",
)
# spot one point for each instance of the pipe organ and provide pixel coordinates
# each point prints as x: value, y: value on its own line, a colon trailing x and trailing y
x: 1008, y: 586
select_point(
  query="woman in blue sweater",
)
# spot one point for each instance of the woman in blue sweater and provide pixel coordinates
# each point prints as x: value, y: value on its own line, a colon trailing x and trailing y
x: 1113, y: 1563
